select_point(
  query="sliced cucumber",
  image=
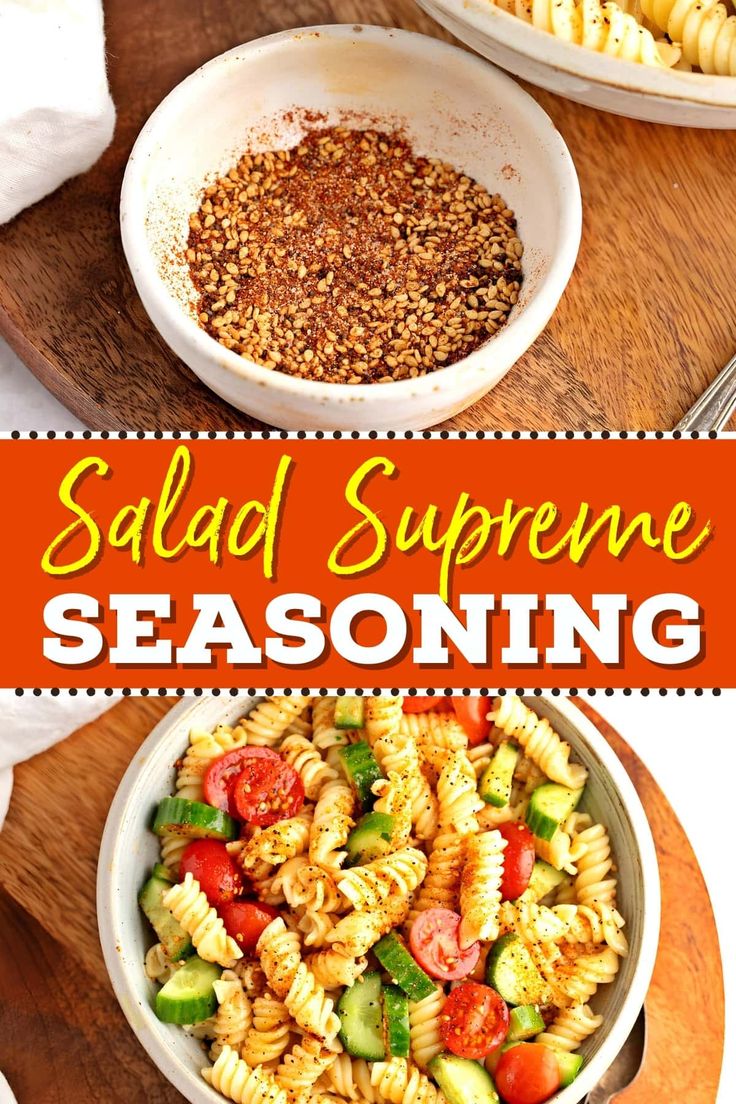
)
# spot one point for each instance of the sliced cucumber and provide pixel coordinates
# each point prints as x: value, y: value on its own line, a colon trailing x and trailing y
x: 497, y: 779
x: 188, y: 997
x: 396, y: 1021
x: 362, y: 769
x: 174, y: 940
x: 361, y: 1026
x: 543, y: 880
x: 161, y: 871
x: 193, y: 819
x: 463, y: 1081
x: 570, y: 1066
x: 549, y: 807
x: 404, y: 971
x: 512, y: 973
x: 349, y: 712
x: 524, y: 1023
x: 370, y: 838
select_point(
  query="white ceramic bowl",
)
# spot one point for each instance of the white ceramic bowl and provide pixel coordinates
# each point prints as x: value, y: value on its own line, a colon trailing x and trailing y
x: 451, y: 105
x: 622, y: 87
x: 129, y: 849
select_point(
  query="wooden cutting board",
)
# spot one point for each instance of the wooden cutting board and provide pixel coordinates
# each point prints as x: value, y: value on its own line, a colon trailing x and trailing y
x: 63, y: 1038
x: 646, y: 323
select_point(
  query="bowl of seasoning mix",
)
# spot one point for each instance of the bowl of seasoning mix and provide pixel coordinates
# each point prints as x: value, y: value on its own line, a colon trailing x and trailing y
x: 350, y: 227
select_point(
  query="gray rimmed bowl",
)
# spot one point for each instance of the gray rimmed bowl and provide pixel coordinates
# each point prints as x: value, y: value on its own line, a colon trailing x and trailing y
x: 129, y: 850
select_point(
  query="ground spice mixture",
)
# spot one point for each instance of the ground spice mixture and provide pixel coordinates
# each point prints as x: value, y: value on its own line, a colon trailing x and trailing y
x: 348, y: 259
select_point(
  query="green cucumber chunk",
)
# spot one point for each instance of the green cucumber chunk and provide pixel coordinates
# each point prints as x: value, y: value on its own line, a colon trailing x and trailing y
x: 174, y: 940
x: 404, y: 971
x: 544, y: 879
x: 524, y: 1023
x: 161, y: 871
x: 362, y: 769
x: 349, y: 712
x: 549, y: 807
x: 188, y: 997
x: 570, y: 1066
x: 396, y: 1021
x: 496, y: 780
x: 463, y: 1081
x: 193, y: 819
x: 370, y: 838
x: 361, y: 1022
x: 512, y: 973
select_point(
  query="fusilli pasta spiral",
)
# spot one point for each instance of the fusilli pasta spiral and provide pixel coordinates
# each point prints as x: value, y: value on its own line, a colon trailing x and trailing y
x: 191, y: 908
x: 424, y: 1027
x: 267, y: 723
x: 270, y: 1032
x: 304, y: 757
x: 480, y: 887
x: 292, y: 980
x: 235, y: 1079
x: 234, y: 1015
x: 367, y: 886
x: 398, y: 1082
x: 539, y: 740
x: 331, y: 826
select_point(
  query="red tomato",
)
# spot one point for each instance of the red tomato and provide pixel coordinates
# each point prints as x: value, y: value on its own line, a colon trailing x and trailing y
x: 245, y: 920
x: 434, y: 943
x: 471, y: 713
x: 527, y: 1074
x: 266, y: 791
x: 220, y: 775
x: 424, y: 705
x: 209, y: 862
x: 474, y: 1020
x: 518, y: 860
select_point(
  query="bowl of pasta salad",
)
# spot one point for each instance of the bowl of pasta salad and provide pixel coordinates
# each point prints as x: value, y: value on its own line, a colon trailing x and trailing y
x: 656, y: 60
x: 396, y: 900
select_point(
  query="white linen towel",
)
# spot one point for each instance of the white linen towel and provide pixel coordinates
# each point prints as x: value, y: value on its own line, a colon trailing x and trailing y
x: 28, y: 726
x: 56, y: 113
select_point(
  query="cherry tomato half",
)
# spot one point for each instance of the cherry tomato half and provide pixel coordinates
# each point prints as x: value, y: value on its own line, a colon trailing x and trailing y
x: 425, y: 705
x: 221, y: 774
x: 518, y: 860
x: 474, y: 1020
x: 471, y: 713
x: 266, y: 791
x: 434, y: 943
x: 209, y: 862
x: 245, y: 921
x: 527, y: 1074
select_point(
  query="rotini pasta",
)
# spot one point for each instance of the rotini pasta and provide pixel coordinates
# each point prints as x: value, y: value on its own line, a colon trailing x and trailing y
x: 235, y: 1079
x: 306, y: 760
x: 570, y: 1027
x: 189, y: 906
x: 266, y: 724
x: 291, y: 979
x: 480, y: 887
x: 302, y: 1067
x: 331, y: 826
x: 705, y: 28
x: 424, y: 1027
x: 332, y: 969
x: 539, y: 740
x: 270, y: 1032
x: 382, y: 718
x: 398, y: 1082
x: 234, y: 1014
x: 457, y: 794
x: 367, y: 886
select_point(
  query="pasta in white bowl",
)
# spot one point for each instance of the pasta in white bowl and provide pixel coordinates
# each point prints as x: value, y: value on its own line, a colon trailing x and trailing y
x: 377, y: 839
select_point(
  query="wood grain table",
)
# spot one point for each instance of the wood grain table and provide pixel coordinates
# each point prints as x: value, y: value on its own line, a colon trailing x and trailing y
x: 63, y: 1039
x: 646, y: 323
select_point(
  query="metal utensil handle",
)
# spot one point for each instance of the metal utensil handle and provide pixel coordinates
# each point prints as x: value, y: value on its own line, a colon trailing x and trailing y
x: 716, y: 405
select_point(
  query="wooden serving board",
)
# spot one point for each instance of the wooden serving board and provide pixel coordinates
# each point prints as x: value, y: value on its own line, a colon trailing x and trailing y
x: 646, y: 323
x: 63, y: 1038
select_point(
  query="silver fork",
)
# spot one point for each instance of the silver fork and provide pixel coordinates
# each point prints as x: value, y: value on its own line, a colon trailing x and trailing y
x: 716, y: 405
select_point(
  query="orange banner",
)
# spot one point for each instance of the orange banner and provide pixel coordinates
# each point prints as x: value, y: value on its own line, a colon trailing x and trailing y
x: 370, y: 562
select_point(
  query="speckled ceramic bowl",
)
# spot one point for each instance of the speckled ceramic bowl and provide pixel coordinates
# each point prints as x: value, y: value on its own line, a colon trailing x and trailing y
x: 622, y: 87
x: 450, y: 104
x: 129, y: 850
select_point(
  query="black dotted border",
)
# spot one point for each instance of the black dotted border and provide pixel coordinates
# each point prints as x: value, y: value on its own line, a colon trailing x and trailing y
x: 368, y: 435
x: 482, y: 691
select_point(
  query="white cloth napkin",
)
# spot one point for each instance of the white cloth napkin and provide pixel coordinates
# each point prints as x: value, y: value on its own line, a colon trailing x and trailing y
x: 56, y: 114
x: 29, y: 725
